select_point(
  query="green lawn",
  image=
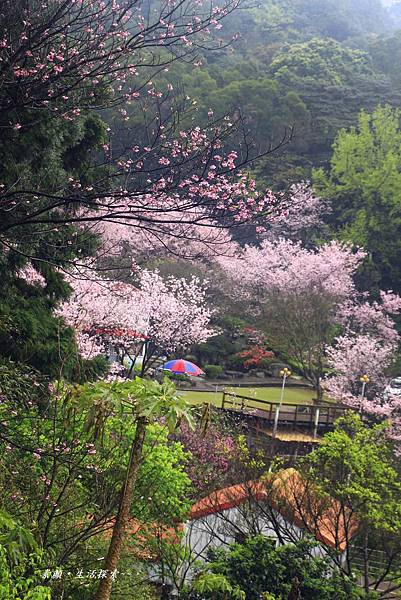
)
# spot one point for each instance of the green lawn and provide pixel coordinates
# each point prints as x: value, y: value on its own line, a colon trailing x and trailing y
x: 271, y: 394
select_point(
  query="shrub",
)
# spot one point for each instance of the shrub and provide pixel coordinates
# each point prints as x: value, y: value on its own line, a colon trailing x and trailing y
x: 177, y: 376
x: 22, y: 563
x: 264, y: 570
x: 191, y: 358
x: 213, y: 371
x: 235, y: 362
x: 213, y: 455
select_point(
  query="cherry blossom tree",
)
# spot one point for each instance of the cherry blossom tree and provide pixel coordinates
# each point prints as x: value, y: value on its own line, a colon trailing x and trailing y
x: 155, y: 317
x: 299, y: 215
x: 31, y: 275
x: 287, y: 267
x: 367, y: 348
x: 351, y: 357
x: 374, y: 318
x: 305, y: 297
x: 64, y: 60
x: 53, y: 49
x: 212, y: 454
x: 183, y: 240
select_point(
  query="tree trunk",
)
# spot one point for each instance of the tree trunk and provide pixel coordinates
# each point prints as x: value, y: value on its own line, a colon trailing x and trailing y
x: 319, y: 392
x: 366, y: 564
x: 295, y: 593
x: 122, y: 518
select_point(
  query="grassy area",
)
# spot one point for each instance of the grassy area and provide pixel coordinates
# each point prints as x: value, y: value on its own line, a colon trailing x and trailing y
x: 271, y: 394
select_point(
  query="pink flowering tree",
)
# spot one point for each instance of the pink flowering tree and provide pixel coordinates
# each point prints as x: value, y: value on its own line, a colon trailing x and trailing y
x: 308, y: 304
x: 299, y: 215
x: 367, y: 348
x: 352, y: 357
x: 212, y: 453
x: 158, y: 316
x: 66, y: 61
x: 31, y: 276
x: 286, y: 266
x: 296, y: 295
x: 52, y: 50
x: 199, y: 239
x: 313, y: 313
x: 375, y: 318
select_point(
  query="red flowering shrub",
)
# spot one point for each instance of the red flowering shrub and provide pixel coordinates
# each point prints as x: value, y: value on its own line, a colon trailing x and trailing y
x: 255, y: 356
x: 257, y: 353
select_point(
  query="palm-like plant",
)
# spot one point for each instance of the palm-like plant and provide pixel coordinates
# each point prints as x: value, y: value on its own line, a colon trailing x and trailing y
x: 147, y: 401
x: 216, y: 586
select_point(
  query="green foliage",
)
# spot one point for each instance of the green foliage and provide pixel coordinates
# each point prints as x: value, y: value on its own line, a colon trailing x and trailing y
x: 217, y: 586
x: 335, y: 64
x: 29, y: 332
x: 364, y: 184
x: 295, y: 66
x: 146, y: 398
x: 334, y: 81
x: 260, y: 569
x: 356, y: 465
x: 22, y: 385
x: 22, y: 563
x: 299, y: 20
x: 162, y: 480
x: 340, y: 19
x: 44, y: 156
x: 386, y: 55
x: 305, y: 64
x: 213, y: 371
x: 50, y: 151
x: 69, y: 462
x: 223, y: 348
x: 131, y: 583
x: 177, y: 377
x: 63, y: 456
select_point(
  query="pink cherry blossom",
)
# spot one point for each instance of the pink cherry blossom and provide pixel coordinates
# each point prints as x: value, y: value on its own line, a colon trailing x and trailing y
x: 191, y: 236
x: 298, y: 214
x: 359, y: 315
x: 62, y: 59
x: 351, y: 357
x: 287, y: 267
x: 31, y: 275
x: 156, y: 316
x: 284, y: 275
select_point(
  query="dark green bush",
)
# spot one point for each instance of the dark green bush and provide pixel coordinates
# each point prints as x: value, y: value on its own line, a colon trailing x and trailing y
x: 213, y: 371
x: 177, y: 376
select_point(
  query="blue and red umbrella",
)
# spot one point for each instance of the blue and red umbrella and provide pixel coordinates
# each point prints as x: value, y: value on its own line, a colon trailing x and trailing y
x: 182, y: 367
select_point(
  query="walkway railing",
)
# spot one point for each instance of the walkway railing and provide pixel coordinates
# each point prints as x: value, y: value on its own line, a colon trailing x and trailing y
x: 311, y: 416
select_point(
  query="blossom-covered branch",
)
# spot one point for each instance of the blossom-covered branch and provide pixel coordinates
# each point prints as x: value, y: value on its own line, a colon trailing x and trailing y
x: 63, y: 63
x: 156, y: 317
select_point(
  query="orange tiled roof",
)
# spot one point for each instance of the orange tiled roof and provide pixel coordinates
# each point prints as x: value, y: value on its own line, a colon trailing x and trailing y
x: 227, y: 498
x: 294, y: 498
x: 287, y: 493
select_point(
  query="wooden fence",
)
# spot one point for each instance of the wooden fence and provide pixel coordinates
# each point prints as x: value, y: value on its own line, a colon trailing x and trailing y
x: 305, y: 416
